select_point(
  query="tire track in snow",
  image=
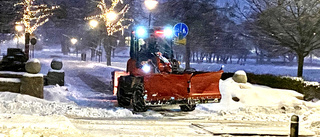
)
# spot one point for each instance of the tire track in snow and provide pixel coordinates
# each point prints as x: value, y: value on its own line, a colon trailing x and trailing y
x: 94, y: 83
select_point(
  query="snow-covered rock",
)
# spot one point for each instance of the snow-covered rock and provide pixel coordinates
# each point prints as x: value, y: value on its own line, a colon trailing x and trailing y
x: 240, y: 76
x: 56, y: 64
x: 33, y: 66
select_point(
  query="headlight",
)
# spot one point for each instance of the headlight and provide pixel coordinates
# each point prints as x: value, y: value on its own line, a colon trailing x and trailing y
x: 141, y: 32
x: 146, y: 68
x: 168, y: 32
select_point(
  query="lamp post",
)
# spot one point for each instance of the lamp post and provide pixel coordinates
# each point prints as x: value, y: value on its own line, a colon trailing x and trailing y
x: 150, y: 4
x: 113, y: 49
x: 108, y: 17
x: 74, y: 42
x: 94, y: 24
x: 18, y: 28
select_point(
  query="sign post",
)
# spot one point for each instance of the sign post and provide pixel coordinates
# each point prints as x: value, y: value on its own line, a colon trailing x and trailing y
x: 181, y: 31
x: 33, y: 42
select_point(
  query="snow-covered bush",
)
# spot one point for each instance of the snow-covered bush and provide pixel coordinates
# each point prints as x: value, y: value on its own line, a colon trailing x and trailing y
x: 310, y: 90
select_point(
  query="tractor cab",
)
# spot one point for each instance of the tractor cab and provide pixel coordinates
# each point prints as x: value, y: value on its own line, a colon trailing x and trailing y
x: 151, y: 51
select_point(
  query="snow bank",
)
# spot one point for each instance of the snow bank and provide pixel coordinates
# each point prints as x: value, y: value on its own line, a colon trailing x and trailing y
x: 260, y: 103
x: 249, y: 95
x: 57, y: 103
x: 56, y: 93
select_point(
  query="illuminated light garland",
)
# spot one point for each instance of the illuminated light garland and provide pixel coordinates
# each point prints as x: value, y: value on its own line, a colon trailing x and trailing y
x: 34, y: 14
x: 112, y: 26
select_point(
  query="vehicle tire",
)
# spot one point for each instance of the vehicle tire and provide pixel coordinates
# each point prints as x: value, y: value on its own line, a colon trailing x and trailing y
x: 187, y: 108
x: 123, y: 99
x: 138, y: 102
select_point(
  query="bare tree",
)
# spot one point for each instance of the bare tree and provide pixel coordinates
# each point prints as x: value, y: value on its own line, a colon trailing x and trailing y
x: 293, y: 23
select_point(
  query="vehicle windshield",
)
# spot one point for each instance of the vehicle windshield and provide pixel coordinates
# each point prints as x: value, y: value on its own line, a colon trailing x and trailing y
x: 158, y: 44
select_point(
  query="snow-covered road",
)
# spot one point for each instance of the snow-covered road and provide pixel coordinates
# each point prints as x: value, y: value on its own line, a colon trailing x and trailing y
x: 180, y: 127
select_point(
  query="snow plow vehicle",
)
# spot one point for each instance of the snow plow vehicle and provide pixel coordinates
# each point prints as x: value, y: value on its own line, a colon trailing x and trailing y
x: 154, y: 78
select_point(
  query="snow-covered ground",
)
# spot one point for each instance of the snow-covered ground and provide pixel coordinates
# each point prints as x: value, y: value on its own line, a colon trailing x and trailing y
x: 58, y: 113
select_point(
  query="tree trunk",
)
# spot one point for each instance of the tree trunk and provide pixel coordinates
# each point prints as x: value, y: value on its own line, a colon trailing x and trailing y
x: 201, y: 57
x: 291, y: 58
x: 218, y: 58
x: 193, y: 56
x: 210, y: 57
x: 197, y: 56
x: 107, y: 48
x: 108, y: 55
x: 300, y: 64
x: 187, y: 57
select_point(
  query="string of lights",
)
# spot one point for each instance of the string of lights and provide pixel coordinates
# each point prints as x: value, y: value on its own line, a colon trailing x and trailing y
x: 34, y: 15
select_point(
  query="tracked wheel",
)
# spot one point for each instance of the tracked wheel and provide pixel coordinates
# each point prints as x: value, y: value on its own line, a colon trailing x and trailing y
x: 123, y: 98
x: 138, y: 102
x: 187, y: 108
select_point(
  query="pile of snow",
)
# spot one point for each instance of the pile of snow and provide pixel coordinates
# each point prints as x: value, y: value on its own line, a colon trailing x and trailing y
x: 56, y: 103
x: 56, y: 93
x: 260, y: 103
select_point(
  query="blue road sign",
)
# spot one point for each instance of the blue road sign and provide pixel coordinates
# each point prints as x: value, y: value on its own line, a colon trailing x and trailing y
x: 180, y: 28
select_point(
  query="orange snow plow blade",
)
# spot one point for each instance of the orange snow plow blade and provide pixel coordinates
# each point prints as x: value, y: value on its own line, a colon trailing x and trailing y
x: 205, y: 85
x: 201, y: 85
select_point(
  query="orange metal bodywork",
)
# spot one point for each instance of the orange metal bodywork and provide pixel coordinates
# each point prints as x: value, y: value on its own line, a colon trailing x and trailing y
x: 165, y: 86
x: 116, y: 77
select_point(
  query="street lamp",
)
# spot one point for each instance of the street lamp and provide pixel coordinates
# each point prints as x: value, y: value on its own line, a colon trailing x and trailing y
x: 150, y: 4
x: 18, y: 28
x: 74, y: 41
x: 93, y: 23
